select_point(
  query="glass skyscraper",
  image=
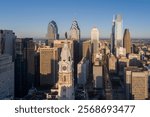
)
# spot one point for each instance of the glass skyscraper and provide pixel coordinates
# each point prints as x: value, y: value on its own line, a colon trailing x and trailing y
x: 117, y: 34
x: 52, y: 31
x: 118, y: 31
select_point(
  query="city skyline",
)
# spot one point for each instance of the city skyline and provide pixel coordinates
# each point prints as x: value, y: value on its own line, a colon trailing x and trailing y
x: 30, y: 18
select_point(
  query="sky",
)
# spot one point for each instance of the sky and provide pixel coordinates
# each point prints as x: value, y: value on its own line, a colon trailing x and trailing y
x: 30, y: 18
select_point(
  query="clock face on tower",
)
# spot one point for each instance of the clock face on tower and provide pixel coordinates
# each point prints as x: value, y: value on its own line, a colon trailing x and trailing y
x: 64, y: 68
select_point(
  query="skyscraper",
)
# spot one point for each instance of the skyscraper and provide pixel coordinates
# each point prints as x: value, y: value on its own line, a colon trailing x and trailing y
x: 117, y: 36
x: 7, y: 39
x: 52, y: 32
x: 24, y: 66
x: 86, y: 49
x: 66, y: 77
x: 48, y: 66
x: 127, y: 41
x: 113, y: 37
x: 94, y: 34
x: 83, y: 71
x: 118, y: 31
x: 6, y: 77
x: 75, y: 31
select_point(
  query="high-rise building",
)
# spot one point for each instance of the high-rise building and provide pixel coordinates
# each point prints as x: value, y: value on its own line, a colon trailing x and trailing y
x: 94, y: 34
x: 112, y: 64
x: 52, y: 32
x: 95, y: 50
x: 66, y: 77
x: 6, y: 77
x: 75, y: 31
x: 98, y: 76
x: 24, y: 66
x: 136, y: 83
x: 86, y: 49
x: 7, y: 39
x: 117, y: 34
x: 127, y: 41
x: 113, y: 37
x: 83, y: 71
x: 48, y: 66
x: 30, y: 63
x: 87, y: 53
x: 118, y: 31
x: 97, y: 70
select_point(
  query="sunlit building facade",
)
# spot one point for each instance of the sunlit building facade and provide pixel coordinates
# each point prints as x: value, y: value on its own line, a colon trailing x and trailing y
x: 117, y: 34
x: 94, y: 34
x: 75, y: 31
x: 52, y: 31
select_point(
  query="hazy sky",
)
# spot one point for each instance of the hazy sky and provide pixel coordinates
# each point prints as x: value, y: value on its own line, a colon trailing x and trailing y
x: 30, y: 18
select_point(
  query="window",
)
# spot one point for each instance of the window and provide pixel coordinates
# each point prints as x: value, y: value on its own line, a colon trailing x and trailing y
x: 64, y: 79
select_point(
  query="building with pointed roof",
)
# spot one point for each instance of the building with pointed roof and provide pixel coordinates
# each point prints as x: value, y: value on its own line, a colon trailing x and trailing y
x: 75, y: 31
x: 65, y: 74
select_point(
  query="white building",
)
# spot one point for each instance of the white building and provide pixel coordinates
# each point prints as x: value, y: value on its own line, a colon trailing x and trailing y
x: 83, y: 71
x: 95, y: 34
x: 6, y: 77
x: 66, y: 78
x: 118, y: 31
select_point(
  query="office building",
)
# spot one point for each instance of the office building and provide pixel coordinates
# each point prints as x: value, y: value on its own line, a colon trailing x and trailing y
x: 52, y: 32
x: 136, y: 83
x: 75, y: 31
x: 95, y: 50
x: 95, y: 34
x: 117, y: 34
x: 97, y: 73
x: 112, y: 64
x: 24, y: 66
x: 97, y: 76
x: 118, y: 31
x: 87, y: 49
x: 83, y: 71
x: 6, y: 77
x: 30, y: 63
x: 48, y: 66
x: 127, y: 41
x: 113, y: 37
x: 7, y: 40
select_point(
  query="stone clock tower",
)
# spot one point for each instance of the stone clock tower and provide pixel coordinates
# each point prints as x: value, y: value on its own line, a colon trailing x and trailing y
x: 66, y: 79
